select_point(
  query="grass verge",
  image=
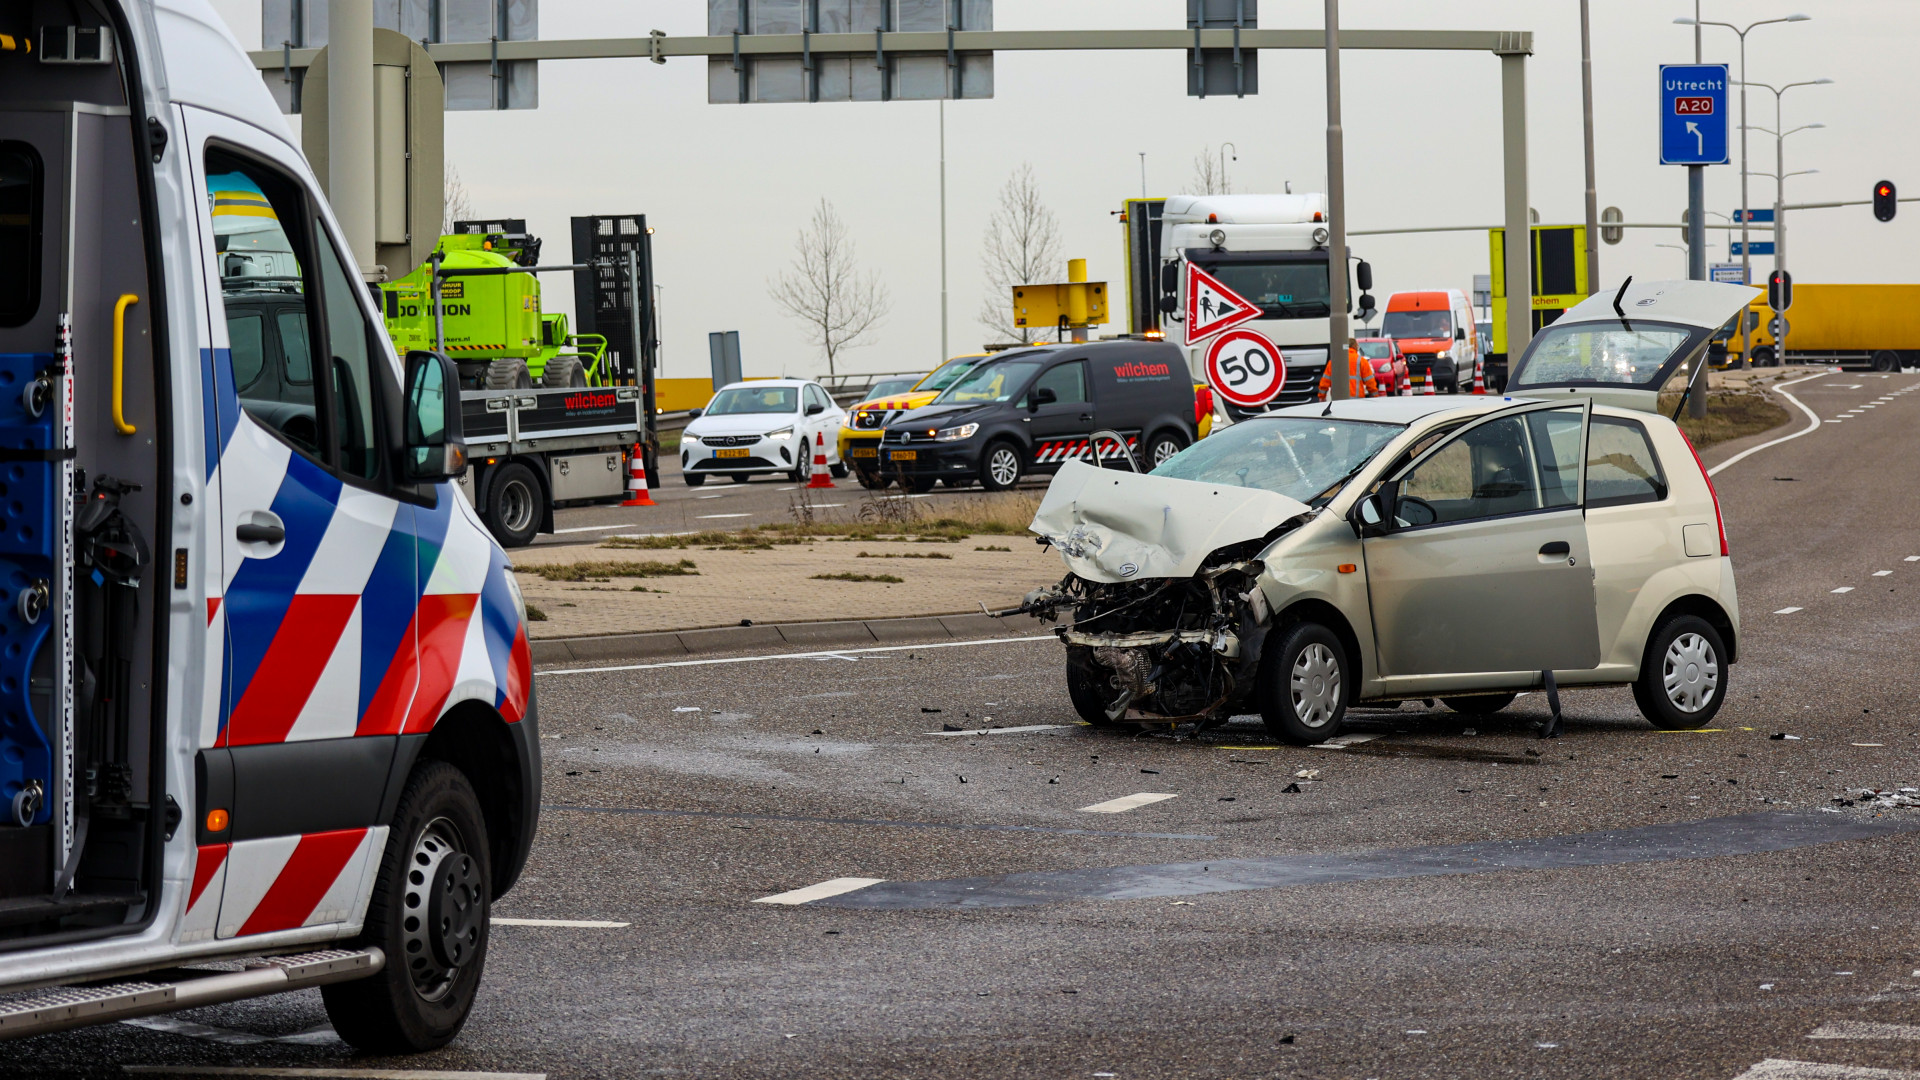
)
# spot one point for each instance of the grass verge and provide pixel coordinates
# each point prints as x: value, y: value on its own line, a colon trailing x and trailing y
x: 847, y: 576
x: 606, y: 571
x: 1731, y: 414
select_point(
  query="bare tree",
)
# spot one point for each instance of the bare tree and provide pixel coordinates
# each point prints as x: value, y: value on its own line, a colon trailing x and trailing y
x: 825, y: 288
x: 1208, y: 176
x: 1021, y: 247
x: 456, y: 203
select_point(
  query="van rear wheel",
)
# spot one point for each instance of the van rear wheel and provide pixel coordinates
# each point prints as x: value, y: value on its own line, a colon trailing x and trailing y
x: 428, y: 914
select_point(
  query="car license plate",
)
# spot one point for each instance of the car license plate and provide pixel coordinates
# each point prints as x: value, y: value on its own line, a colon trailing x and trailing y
x: 865, y: 451
x: 736, y: 452
x: 903, y: 455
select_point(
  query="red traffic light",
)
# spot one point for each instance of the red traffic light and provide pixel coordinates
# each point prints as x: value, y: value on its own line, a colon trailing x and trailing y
x: 1884, y: 201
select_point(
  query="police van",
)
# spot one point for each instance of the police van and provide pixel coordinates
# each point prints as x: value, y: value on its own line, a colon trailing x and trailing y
x: 265, y: 686
x: 1032, y: 410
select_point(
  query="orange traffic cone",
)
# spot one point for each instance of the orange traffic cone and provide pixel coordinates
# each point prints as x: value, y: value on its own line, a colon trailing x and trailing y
x: 820, y: 477
x: 1479, y: 377
x: 637, y: 480
x: 1427, y: 384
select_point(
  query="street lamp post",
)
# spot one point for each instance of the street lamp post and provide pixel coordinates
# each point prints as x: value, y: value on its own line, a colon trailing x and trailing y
x: 1224, y: 186
x: 1780, y: 173
x: 1746, y: 260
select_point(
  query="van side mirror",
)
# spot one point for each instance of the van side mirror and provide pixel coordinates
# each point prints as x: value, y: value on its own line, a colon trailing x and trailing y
x: 1363, y: 273
x: 1459, y: 333
x: 1170, y: 276
x: 1169, y: 303
x: 436, y: 447
x: 1042, y: 396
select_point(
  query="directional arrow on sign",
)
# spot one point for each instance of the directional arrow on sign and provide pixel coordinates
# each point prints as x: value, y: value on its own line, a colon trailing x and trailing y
x: 1700, y: 140
x: 1212, y: 307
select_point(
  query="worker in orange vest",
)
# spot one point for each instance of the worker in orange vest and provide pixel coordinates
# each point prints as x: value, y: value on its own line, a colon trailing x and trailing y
x: 1361, y: 382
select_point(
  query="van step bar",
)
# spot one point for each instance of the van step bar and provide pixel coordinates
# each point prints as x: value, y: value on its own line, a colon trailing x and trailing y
x: 61, y: 1007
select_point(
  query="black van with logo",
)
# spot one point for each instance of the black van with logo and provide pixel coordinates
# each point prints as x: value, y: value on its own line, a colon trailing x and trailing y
x: 1032, y: 409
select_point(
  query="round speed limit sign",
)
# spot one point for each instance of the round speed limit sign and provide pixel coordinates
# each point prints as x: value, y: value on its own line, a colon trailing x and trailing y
x: 1245, y: 368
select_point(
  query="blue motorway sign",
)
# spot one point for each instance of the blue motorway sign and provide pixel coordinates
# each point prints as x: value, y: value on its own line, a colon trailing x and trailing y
x: 1752, y: 216
x: 1693, y: 114
x: 1757, y: 247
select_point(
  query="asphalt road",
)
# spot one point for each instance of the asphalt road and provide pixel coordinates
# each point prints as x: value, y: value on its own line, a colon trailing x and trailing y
x: 1416, y: 909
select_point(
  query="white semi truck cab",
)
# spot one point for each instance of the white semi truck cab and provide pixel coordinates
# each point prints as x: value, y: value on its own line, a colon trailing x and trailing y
x: 1270, y: 249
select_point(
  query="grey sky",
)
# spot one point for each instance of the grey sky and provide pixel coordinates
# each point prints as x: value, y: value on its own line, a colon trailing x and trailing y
x: 727, y: 187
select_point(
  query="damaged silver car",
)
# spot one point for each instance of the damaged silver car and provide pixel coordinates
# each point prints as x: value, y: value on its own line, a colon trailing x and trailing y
x: 1316, y: 557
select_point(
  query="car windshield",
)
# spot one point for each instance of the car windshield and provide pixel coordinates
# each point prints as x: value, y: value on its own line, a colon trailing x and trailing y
x: 889, y: 387
x: 1376, y: 350
x: 1607, y: 353
x: 991, y: 382
x: 1290, y: 289
x: 1417, y: 324
x: 946, y: 373
x: 1301, y: 457
x: 755, y: 399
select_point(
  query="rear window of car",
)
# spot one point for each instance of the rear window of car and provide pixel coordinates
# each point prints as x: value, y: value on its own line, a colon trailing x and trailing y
x: 1621, y: 465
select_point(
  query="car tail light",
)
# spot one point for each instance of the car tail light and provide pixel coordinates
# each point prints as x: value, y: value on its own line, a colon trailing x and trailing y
x: 1202, y: 403
x: 1718, y: 521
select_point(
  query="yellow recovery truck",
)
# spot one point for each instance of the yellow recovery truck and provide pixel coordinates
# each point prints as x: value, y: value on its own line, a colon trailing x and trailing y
x: 1865, y: 327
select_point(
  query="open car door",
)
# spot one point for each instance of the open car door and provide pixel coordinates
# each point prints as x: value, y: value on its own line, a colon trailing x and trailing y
x: 1619, y: 348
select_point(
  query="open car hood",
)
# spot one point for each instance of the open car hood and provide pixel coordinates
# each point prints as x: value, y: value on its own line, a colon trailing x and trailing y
x: 1122, y: 526
x: 1592, y: 351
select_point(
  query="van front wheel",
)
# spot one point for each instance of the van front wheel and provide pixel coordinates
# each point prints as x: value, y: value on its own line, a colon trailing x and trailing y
x: 428, y: 914
x: 1000, y: 466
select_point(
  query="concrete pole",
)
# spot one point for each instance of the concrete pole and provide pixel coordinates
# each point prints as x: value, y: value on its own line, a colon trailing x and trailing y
x: 1519, y: 242
x: 1337, y: 333
x: 1593, y: 198
x: 1697, y: 271
x: 1746, y: 259
x: 945, y: 351
x: 350, y: 124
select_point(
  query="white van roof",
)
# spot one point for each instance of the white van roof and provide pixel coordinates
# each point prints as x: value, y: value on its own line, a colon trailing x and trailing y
x: 1243, y: 209
x: 207, y: 66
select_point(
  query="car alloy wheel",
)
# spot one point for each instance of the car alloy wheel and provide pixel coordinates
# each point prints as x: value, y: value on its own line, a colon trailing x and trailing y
x: 1003, y: 464
x: 1315, y: 685
x: 1690, y: 673
x: 1162, y: 450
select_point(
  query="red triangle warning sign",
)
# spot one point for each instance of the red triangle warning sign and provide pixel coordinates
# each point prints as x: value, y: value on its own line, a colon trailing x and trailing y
x: 1212, y: 307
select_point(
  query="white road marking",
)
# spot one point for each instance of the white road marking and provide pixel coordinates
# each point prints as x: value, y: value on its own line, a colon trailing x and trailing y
x: 1883, y: 573
x: 1788, y: 610
x: 327, y: 1073
x: 1127, y: 802
x: 343, y: 1074
x: 1844, y: 589
x: 1006, y: 730
x: 1750, y: 451
x: 1341, y: 742
x: 821, y: 891
x: 1912, y: 558
x: 837, y: 653
x: 1780, y: 1069
x: 710, y: 517
x: 573, y: 924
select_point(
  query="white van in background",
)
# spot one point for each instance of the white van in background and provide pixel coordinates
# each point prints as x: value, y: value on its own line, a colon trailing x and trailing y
x: 1437, y: 331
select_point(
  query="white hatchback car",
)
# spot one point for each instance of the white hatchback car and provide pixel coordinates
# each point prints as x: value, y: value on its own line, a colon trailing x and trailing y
x: 763, y: 426
x: 1377, y: 550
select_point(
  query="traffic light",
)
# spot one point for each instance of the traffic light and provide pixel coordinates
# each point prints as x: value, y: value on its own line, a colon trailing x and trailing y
x: 1779, y: 290
x: 1883, y: 201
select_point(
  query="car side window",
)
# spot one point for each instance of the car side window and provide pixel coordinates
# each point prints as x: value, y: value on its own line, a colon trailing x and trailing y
x: 1512, y: 465
x: 817, y: 396
x: 246, y: 341
x: 296, y: 354
x: 1068, y: 382
x: 1621, y: 465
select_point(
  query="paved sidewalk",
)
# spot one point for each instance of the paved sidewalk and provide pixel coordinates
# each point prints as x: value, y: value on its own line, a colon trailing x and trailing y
x: 777, y: 586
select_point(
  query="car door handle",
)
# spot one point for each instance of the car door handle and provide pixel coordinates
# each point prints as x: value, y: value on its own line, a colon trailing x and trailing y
x: 1086, y: 416
x: 1556, y: 547
x: 251, y: 533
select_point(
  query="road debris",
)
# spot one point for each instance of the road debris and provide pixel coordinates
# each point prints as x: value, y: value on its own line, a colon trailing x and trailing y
x: 1307, y: 774
x: 686, y: 708
x: 1880, y: 798
x: 1777, y: 736
x: 1290, y: 789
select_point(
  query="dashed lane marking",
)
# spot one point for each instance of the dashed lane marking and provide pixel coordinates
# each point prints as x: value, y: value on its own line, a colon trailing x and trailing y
x: 1779, y: 1069
x: 1128, y: 802
x: 711, y: 517
x: 1006, y: 730
x: 833, y: 887
x: 327, y: 1073
x: 827, y: 655
x: 571, y: 924
x: 1788, y: 610
x: 1813, y: 423
x: 1911, y: 558
x: 883, y: 822
x: 1883, y: 573
x: 1844, y: 589
x: 343, y: 1074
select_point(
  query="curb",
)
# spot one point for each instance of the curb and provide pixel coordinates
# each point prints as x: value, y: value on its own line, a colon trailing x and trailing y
x: 673, y: 643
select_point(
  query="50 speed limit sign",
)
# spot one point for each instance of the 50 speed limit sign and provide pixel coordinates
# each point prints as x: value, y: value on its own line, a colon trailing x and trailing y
x: 1245, y: 368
